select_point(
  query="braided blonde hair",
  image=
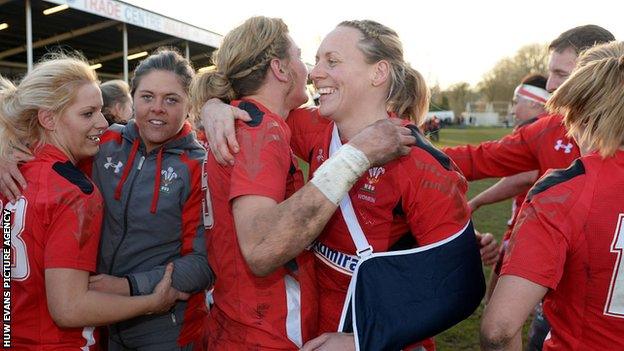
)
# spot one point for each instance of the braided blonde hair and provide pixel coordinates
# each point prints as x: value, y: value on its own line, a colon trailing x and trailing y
x: 408, y: 96
x: 242, y: 61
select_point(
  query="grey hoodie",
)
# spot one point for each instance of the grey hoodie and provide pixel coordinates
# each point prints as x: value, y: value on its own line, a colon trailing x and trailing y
x: 153, y: 216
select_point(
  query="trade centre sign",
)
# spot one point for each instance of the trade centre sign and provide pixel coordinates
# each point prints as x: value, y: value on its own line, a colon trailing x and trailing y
x: 139, y: 17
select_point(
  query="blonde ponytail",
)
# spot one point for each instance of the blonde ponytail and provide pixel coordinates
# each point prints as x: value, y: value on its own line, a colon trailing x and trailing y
x: 410, y: 98
x: 242, y: 61
x: 11, y: 132
x: 208, y: 85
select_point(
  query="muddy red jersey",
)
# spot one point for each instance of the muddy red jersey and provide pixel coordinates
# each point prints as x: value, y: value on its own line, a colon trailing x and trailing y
x: 541, y: 145
x: 273, y: 312
x: 569, y: 238
x: 54, y: 224
x: 419, y: 196
x: 306, y: 124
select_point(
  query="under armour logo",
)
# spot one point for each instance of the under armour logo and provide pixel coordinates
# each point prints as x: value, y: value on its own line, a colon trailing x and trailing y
x: 109, y: 163
x: 566, y: 148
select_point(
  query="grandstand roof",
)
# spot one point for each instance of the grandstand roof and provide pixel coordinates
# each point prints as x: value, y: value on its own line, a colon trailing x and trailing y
x: 96, y: 28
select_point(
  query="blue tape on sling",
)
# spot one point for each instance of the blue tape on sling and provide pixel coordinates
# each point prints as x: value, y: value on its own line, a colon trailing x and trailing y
x: 401, y: 297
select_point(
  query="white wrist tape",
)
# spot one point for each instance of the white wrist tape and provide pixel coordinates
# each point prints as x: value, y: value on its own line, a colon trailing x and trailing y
x: 337, y: 175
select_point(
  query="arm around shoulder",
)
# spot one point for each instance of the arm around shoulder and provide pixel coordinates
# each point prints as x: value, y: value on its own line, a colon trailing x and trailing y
x: 270, y: 233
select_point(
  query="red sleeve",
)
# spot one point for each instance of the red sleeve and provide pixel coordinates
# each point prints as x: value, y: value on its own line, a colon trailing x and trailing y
x: 305, y: 124
x: 262, y: 164
x: 544, y: 234
x: 192, y: 227
x: 73, y: 234
x: 510, y: 155
x: 434, y: 198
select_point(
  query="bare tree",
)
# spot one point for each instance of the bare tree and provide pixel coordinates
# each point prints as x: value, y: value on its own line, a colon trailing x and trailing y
x: 498, y: 83
x: 439, y: 100
x: 458, y: 95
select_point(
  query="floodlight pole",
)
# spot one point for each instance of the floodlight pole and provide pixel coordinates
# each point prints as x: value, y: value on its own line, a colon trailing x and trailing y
x: 29, y: 44
x: 187, y: 51
x: 125, y: 53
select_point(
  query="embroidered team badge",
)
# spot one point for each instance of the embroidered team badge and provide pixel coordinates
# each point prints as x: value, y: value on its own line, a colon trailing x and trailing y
x: 167, y: 176
x: 373, y: 178
x: 567, y: 148
x: 116, y: 166
x: 369, y: 188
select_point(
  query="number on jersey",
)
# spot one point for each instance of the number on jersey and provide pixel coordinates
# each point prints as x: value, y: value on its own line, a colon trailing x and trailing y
x: 615, y: 300
x: 20, y: 269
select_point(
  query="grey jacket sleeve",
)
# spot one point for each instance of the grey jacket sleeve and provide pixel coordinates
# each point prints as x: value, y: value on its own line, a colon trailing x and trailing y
x: 191, y: 272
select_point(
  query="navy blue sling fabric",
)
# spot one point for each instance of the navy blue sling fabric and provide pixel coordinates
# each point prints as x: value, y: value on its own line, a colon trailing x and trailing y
x: 401, y: 297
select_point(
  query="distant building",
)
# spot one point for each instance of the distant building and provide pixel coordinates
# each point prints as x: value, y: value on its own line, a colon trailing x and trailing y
x: 486, y: 114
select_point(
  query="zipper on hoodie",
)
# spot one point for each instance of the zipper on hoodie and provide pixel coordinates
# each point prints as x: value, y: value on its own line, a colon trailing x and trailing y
x: 125, y: 214
x: 123, y: 236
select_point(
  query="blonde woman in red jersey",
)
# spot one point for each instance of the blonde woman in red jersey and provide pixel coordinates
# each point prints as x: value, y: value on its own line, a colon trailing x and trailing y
x: 361, y: 75
x: 265, y: 296
x: 55, y: 224
x: 567, y: 245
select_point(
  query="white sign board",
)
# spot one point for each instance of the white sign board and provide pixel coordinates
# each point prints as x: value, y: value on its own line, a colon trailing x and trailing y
x: 139, y: 17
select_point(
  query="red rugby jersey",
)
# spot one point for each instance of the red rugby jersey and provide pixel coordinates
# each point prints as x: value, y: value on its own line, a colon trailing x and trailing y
x: 252, y: 312
x: 569, y: 238
x: 541, y: 145
x: 55, y: 224
x: 415, y: 194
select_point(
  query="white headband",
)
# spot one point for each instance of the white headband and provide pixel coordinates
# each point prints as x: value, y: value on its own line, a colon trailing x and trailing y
x: 532, y: 93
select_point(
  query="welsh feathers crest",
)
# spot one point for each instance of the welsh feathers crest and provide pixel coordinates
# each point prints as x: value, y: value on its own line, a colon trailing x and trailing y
x: 372, y: 178
x: 166, y: 178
